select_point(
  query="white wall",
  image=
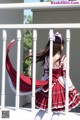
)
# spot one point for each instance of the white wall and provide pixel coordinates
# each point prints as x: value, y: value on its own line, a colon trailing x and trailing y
x: 10, y: 17
x: 61, y: 16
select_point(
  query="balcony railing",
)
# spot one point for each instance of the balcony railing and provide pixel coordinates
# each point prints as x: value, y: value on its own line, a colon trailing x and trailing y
x: 51, y: 27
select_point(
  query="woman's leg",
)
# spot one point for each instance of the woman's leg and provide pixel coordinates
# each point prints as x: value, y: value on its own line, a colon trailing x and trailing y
x: 39, y: 115
x: 55, y: 116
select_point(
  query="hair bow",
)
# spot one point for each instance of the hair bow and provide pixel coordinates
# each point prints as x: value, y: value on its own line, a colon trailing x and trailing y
x: 56, y: 34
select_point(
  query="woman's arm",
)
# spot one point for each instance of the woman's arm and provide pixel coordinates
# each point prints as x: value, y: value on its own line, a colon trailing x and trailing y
x: 64, y: 66
x: 64, y: 73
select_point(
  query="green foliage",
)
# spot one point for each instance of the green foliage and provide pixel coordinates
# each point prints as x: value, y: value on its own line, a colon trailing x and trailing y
x: 26, y: 65
x: 27, y: 44
x: 27, y: 33
x: 27, y: 19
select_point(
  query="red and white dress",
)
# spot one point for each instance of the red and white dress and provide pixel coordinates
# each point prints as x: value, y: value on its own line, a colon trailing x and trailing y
x: 58, y: 86
x: 58, y: 90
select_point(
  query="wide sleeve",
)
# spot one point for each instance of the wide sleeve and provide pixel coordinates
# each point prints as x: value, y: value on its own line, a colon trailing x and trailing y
x: 64, y: 73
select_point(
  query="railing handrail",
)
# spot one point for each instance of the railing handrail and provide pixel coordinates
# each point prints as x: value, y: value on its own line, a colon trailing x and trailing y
x: 41, y: 26
x: 39, y: 5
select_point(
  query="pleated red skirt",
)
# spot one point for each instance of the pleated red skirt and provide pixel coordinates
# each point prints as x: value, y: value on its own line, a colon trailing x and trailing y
x: 58, y: 98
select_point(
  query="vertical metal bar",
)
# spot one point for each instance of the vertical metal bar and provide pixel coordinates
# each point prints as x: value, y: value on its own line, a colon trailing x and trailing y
x: 3, y: 70
x: 67, y: 69
x: 50, y: 71
x: 34, y: 68
x: 18, y: 68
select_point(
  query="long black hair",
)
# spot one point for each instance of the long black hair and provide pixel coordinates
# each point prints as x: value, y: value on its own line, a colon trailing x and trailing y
x: 40, y: 56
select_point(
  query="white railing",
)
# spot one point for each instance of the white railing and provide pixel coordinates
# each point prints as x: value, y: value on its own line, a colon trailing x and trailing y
x: 34, y: 66
x: 34, y: 27
x: 50, y: 71
x: 3, y: 70
x: 41, y: 26
x: 18, y: 68
x: 67, y: 68
x: 44, y: 5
